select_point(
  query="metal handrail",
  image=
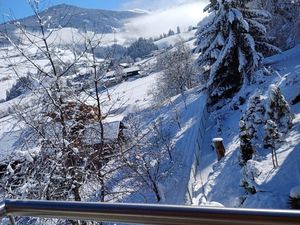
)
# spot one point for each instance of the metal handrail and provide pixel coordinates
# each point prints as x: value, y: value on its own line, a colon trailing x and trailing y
x: 147, y: 214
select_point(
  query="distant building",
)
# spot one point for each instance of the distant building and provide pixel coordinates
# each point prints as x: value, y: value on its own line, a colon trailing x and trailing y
x: 124, y: 65
x: 132, y: 71
x: 127, y: 72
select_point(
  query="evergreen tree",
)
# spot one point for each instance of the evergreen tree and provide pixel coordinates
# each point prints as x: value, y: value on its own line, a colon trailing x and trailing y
x: 252, y: 124
x: 232, y: 42
x: 253, y: 120
x: 249, y: 173
x: 141, y: 48
x: 279, y: 120
x: 272, y: 136
x: 285, y: 21
x: 171, y: 32
x: 278, y: 109
x: 178, y: 30
x: 245, y: 143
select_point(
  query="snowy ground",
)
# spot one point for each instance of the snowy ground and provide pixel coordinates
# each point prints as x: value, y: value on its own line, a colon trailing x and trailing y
x: 220, y: 181
x: 132, y: 95
x: 181, y: 119
x: 215, y: 181
x: 9, y: 133
x: 185, y: 145
x: 129, y: 97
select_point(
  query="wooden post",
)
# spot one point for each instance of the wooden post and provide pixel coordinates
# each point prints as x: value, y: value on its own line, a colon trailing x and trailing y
x: 219, y: 147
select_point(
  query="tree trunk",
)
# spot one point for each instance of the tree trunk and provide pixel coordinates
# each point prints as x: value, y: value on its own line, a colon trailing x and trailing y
x: 219, y: 147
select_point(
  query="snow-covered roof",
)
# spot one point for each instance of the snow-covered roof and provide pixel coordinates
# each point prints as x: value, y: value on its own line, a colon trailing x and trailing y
x: 125, y: 70
x: 124, y: 65
x: 132, y: 69
x: 110, y: 73
x: 111, y: 132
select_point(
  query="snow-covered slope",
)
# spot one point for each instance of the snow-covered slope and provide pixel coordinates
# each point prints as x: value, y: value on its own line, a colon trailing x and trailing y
x: 179, y: 120
x: 182, y: 117
x: 172, y: 40
x: 221, y: 181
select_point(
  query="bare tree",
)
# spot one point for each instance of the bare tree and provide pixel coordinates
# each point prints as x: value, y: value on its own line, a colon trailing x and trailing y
x: 178, y: 72
x: 66, y: 158
x: 148, y: 158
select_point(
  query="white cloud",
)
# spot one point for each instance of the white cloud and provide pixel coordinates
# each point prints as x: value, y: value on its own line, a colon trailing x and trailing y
x: 184, y: 13
x: 152, y: 5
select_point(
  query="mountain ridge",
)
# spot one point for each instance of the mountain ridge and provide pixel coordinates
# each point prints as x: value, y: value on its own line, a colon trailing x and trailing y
x: 65, y: 15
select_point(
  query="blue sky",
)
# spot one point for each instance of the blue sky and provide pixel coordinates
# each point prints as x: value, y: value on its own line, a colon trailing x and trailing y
x: 20, y: 8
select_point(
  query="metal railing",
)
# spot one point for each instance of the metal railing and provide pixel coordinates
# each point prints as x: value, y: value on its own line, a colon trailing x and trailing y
x: 147, y: 214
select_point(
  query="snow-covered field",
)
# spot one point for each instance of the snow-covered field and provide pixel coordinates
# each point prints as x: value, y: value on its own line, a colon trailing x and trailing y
x: 134, y: 94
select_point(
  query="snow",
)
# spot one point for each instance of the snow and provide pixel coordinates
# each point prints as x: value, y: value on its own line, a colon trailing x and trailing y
x: 183, y: 140
x: 135, y: 96
x: 295, y: 192
x: 111, y: 132
x: 242, y: 60
x: 285, y: 58
x: 235, y: 14
x: 210, y: 183
x: 131, y: 95
x: 26, y: 154
x: 9, y: 134
x: 10, y: 60
x: 217, y: 140
x: 220, y: 181
x: 142, y: 11
x: 212, y: 204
